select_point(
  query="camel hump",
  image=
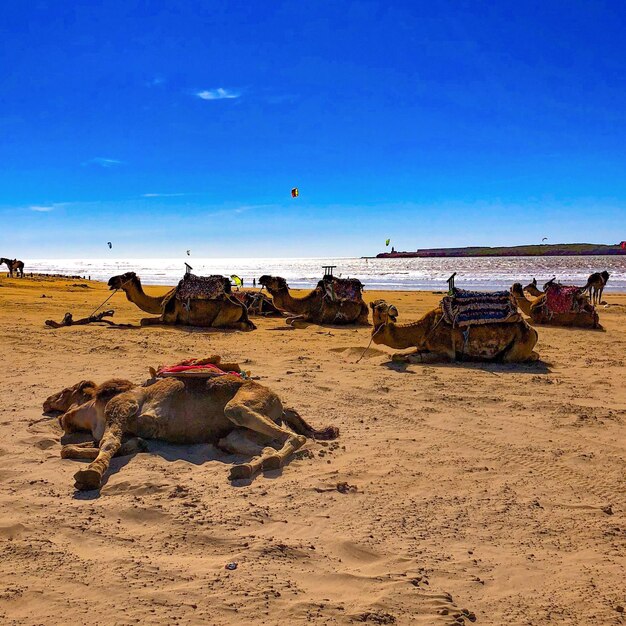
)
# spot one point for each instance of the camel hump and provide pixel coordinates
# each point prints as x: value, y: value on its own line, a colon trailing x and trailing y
x: 193, y: 287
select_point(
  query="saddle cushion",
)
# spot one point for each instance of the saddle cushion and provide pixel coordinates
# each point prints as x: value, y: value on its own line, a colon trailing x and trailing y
x: 342, y: 289
x: 562, y: 298
x: 193, y: 287
x: 465, y: 308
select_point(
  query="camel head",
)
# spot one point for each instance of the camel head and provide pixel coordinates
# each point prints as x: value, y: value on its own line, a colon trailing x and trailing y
x: 383, y: 312
x: 273, y: 283
x: 63, y: 400
x: 517, y: 290
x: 531, y: 285
x: 90, y: 414
x: 118, y: 282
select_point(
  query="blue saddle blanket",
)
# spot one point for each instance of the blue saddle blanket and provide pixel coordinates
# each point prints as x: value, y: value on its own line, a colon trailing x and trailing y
x: 466, y: 308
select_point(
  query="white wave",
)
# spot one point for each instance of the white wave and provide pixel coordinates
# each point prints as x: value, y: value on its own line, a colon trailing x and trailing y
x: 488, y: 273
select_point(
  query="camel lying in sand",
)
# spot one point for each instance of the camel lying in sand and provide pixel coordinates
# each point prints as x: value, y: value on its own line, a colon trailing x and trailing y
x: 221, y: 312
x: 584, y: 317
x: 431, y: 335
x: 317, y: 306
x: 194, y: 410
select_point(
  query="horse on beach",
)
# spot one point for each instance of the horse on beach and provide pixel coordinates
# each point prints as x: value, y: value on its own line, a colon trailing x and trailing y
x: 14, y: 265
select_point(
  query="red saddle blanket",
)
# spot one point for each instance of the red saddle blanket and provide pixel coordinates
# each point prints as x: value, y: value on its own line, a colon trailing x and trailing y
x: 349, y: 289
x: 562, y: 298
x: 190, y: 365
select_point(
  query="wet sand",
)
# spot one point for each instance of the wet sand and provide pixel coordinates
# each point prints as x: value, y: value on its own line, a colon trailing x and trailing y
x: 494, y: 492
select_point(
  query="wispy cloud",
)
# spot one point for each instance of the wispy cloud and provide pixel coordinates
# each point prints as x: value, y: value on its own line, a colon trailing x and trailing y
x: 157, y: 81
x: 163, y: 195
x: 218, y: 94
x: 102, y: 162
x: 41, y: 209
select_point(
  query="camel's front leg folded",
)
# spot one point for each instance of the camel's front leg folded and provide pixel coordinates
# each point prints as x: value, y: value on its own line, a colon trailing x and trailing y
x: 90, y: 450
x: 151, y: 321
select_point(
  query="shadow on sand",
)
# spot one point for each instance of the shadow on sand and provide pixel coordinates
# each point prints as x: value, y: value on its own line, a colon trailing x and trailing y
x: 537, y: 367
x: 196, y: 454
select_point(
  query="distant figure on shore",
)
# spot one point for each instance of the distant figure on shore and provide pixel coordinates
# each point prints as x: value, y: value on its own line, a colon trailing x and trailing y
x: 254, y: 282
x: 595, y: 284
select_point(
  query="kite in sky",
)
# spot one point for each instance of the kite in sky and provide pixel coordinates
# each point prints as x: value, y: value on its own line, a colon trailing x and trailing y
x: 109, y: 244
x: 387, y: 242
x: 294, y: 192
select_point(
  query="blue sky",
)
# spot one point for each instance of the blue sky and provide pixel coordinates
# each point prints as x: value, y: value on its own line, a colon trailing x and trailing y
x: 163, y: 126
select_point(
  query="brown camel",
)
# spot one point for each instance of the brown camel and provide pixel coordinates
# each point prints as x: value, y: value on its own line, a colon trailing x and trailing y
x: 14, y: 265
x: 595, y: 285
x: 585, y: 315
x: 532, y: 289
x: 195, y: 410
x: 319, y: 306
x: 431, y: 335
x: 218, y: 311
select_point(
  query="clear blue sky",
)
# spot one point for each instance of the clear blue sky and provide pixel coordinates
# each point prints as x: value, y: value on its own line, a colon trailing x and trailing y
x: 162, y: 126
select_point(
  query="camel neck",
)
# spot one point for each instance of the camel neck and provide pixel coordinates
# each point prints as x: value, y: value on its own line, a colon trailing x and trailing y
x: 523, y: 303
x: 149, y: 304
x: 284, y: 300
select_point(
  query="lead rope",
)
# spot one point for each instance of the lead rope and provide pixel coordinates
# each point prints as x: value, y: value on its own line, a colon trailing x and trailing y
x: 371, y: 339
x: 97, y: 309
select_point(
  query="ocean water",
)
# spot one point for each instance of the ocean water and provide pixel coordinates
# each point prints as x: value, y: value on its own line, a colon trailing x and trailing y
x: 488, y: 273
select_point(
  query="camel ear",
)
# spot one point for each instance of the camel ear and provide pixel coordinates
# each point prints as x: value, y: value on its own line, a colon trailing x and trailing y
x: 372, y: 306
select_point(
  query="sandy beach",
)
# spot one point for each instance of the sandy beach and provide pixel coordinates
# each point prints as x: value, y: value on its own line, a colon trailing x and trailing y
x: 486, y: 493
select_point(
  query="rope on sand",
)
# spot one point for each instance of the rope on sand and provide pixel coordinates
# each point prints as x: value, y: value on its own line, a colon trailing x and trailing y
x: 114, y: 292
x: 370, y: 343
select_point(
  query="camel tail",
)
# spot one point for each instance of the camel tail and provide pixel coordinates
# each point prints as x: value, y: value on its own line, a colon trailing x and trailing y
x: 293, y: 419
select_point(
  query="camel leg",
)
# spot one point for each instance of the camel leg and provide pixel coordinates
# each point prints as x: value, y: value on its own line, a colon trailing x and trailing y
x: 522, y: 348
x: 290, y: 320
x: 241, y: 414
x: 91, y: 477
x: 278, y: 458
x: 88, y: 450
x: 151, y: 321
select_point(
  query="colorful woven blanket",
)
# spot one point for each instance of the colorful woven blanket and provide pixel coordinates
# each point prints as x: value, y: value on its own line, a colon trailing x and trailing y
x: 562, y: 298
x: 465, y: 308
x: 193, y: 287
x: 342, y: 289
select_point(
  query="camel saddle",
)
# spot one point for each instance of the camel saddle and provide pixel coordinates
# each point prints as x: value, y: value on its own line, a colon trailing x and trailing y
x: 193, y: 287
x: 467, y: 308
x: 562, y: 298
x: 209, y: 367
x: 342, y: 289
